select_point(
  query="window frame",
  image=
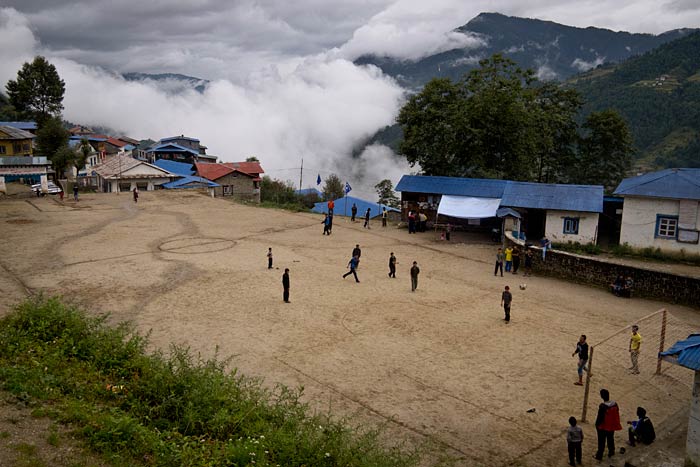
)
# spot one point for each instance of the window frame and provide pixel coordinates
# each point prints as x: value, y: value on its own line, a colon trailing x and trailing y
x: 666, y: 217
x: 571, y: 231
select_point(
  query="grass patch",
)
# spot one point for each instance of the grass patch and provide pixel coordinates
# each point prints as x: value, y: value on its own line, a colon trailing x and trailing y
x: 294, y: 207
x: 4, y: 435
x: 171, y: 409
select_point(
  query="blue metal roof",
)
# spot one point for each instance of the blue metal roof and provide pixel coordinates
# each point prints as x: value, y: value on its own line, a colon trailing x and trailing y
x: 478, y: 187
x: 89, y: 138
x: 686, y: 353
x: 171, y: 147
x: 342, y: 208
x: 588, y: 198
x: 669, y: 183
x: 189, y: 181
x: 180, y: 137
x: 179, y: 168
x: 21, y: 125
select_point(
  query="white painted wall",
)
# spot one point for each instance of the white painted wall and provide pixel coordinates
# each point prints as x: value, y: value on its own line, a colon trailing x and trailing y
x: 152, y: 183
x: 639, y: 224
x: 587, y: 227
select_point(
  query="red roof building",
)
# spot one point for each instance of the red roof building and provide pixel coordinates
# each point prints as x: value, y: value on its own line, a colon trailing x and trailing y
x: 233, y: 181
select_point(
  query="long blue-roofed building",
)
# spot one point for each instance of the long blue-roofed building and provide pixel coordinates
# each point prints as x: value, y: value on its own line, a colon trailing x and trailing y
x: 558, y: 211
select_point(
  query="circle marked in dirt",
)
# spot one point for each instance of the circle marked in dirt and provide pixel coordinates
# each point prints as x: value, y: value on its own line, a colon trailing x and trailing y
x: 196, y: 245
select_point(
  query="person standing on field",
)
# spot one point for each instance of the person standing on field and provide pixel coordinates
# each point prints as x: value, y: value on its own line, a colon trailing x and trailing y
x: 582, y: 351
x: 506, y: 300
x: 384, y: 215
x: 75, y: 191
x: 392, y: 265
x: 356, y: 253
x: 635, y: 344
x: 516, y: 260
x: 285, y: 285
x: 509, y: 259
x: 367, y: 214
x: 606, y: 424
x: 269, y: 258
x: 499, y: 262
x: 136, y: 194
x: 528, y: 262
x: 574, y: 440
x: 353, y: 210
x: 415, y: 270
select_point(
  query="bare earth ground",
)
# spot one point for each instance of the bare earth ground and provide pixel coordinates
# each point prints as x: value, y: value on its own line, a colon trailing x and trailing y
x: 438, y: 364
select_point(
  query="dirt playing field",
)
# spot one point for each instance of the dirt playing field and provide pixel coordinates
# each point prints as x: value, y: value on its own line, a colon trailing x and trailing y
x: 438, y: 364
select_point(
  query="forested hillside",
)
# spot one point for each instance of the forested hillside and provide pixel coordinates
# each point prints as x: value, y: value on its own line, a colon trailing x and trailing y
x: 658, y: 94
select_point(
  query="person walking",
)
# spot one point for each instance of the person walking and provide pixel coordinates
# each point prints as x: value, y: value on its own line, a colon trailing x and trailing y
x: 353, y: 268
x: 330, y: 224
x: 516, y: 260
x: 356, y: 252
x: 384, y: 216
x: 528, y: 262
x: 285, y: 285
x: 582, y: 352
x: 411, y: 222
x: 353, y: 210
x: 635, y: 345
x: 331, y: 206
x: 574, y: 440
x: 506, y: 300
x: 269, y: 258
x: 135, y: 191
x: 75, y: 192
x: 606, y: 424
x: 326, y: 223
x: 392, y: 265
x: 415, y: 270
x: 367, y: 214
x: 499, y: 262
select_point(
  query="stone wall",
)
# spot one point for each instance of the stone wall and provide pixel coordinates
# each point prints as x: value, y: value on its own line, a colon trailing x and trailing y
x: 671, y: 288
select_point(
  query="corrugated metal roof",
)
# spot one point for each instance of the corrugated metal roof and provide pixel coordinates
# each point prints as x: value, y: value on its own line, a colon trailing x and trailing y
x: 252, y: 168
x: 477, y: 187
x: 21, y: 125
x: 117, y: 164
x: 10, y: 132
x: 180, y: 137
x: 686, y: 352
x: 586, y: 198
x: 171, y: 147
x: 179, y: 168
x: 212, y: 171
x: 669, y: 183
x: 87, y: 137
x: 344, y: 209
x: 192, y: 181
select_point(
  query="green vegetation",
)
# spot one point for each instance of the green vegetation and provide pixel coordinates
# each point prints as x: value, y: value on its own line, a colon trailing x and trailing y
x: 166, y: 410
x: 386, y: 193
x: 622, y: 251
x: 282, y: 195
x: 500, y: 122
x: 37, y: 93
x: 333, y: 187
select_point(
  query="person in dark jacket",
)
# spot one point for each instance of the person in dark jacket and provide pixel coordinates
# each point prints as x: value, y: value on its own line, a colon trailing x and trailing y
x: 352, y: 264
x: 392, y: 265
x: 326, y: 225
x: 356, y: 253
x: 367, y: 214
x: 582, y: 351
x: 353, y: 210
x: 606, y: 424
x: 641, y: 430
x: 269, y: 258
x: 415, y: 270
x: 285, y: 285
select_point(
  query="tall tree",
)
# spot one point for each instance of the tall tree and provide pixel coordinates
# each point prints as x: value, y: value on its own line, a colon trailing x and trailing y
x: 386, y: 193
x: 50, y: 138
x: 605, y: 150
x: 37, y: 93
x: 333, y: 188
x: 82, y: 154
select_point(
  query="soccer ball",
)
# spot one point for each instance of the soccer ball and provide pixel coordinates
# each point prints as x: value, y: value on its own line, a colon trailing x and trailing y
x: 523, y: 286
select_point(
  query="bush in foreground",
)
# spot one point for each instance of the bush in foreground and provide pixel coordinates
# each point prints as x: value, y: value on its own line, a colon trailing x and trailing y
x: 166, y: 410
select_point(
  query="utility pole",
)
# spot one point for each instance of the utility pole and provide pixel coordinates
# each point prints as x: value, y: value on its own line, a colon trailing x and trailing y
x: 301, y: 173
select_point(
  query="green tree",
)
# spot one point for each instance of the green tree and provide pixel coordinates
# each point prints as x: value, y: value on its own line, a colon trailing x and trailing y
x: 276, y: 191
x: 37, y: 93
x: 51, y: 138
x: 63, y: 158
x: 606, y: 150
x: 252, y: 159
x: 333, y: 188
x: 82, y: 154
x: 387, y: 196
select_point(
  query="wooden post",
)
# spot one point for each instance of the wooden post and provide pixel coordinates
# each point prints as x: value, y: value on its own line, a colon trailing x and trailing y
x: 588, y: 385
x: 661, y: 340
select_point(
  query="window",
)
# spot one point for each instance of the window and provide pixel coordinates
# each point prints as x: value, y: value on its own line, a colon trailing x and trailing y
x: 228, y: 190
x: 666, y: 226
x: 571, y: 225
x: 3, y: 149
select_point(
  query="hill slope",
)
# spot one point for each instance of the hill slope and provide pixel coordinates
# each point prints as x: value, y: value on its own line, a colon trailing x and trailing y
x: 553, y: 50
x: 658, y: 94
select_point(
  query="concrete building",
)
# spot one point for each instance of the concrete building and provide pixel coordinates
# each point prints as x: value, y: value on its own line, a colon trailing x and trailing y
x: 562, y: 213
x: 239, y: 180
x: 122, y: 173
x: 181, y: 149
x: 661, y: 210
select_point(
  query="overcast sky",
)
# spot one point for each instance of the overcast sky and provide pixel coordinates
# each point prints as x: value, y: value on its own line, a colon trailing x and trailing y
x: 284, y: 85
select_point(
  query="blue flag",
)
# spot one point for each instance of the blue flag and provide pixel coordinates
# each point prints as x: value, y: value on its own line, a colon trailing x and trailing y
x: 348, y: 188
x: 318, y: 180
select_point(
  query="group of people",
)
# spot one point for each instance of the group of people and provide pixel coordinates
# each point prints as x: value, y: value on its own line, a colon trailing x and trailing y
x: 417, y: 222
x: 622, y: 287
x: 368, y: 215
x: 512, y: 256
x: 607, y: 422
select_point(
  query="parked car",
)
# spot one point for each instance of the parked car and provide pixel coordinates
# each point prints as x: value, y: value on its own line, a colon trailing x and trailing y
x: 53, y: 189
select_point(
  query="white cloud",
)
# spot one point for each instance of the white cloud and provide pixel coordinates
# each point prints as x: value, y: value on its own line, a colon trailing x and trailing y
x: 583, y: 65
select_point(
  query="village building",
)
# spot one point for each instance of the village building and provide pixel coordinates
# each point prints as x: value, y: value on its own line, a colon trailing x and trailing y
x: 562, y: 213
x: 181, y: 149
x: 239, y: 180
x: 31, y: 127
x: 122, y: 173
x: 661, y: 210
x: 15, y: 142
x: 186, y: 176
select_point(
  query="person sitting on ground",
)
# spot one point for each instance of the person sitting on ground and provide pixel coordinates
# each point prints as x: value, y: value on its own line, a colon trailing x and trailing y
x: 641, y: 430
x: 616, y: 287
x: 626, y: 290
